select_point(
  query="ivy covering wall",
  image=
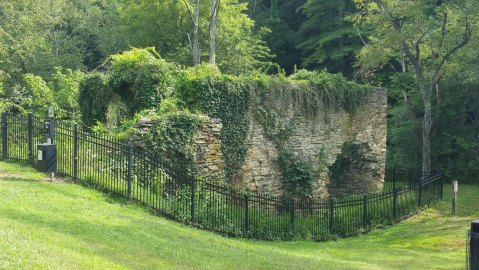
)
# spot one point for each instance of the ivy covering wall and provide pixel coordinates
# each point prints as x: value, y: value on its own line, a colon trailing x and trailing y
x: 144, y: 81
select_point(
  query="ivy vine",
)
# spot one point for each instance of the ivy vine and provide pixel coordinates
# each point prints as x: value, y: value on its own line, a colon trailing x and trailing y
x: 207, y: 91
x: 171, y: 138
x: 141, y: 80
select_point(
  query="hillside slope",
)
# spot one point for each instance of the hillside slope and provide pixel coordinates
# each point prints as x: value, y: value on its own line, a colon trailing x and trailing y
x: 47, y: 225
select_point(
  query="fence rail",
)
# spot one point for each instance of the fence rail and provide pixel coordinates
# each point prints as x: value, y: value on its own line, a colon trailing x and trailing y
x: 118, y: 167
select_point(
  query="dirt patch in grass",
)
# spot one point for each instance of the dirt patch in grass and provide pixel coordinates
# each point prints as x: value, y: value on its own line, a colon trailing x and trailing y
x: 56, y: 180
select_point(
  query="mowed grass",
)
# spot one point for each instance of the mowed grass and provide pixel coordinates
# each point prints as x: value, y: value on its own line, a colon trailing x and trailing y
x: 47, y: 225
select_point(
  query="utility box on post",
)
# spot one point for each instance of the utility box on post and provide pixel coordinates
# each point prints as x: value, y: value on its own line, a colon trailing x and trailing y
x: 49, y: 130
x: 47, y: 158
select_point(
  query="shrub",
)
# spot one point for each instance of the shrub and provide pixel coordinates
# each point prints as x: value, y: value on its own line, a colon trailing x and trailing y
x: 93, y: 96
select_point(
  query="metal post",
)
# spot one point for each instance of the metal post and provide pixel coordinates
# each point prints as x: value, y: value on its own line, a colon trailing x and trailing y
x: 75, y: 151
x: 292, y: 212
x: 193, y: 189
x: 394, y: 178
x: 51, y: 115
x: 365, y: 210
x: 4, y: 137
x: 331, y: 215
x: 30, y: 138
x: 130, y: 176
x: 246, y: 213
x: 395, y: 204
x: 474, y: 246
x: 454, y: 197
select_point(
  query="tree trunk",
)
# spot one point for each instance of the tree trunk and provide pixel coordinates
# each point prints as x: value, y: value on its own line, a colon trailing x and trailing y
x: 426, y: 122
x: 426, y: 136
x: 214, y: 19
x: 196, y: 24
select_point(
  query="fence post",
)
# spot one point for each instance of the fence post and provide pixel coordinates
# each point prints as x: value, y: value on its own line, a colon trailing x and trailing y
x: 473, y: 241
x: 30, y: 138
x: 51, y: 126
x: 331, y: 215
x: 292, y: 212
x: 365, y: 210
x: 4, y: 137
x: 394, y: 177
x: 246, y: 212
x: 130, y: 159
x: 193, y: 190
x: 395, y: 204
x: 454, y: 197
x: 75, y: 151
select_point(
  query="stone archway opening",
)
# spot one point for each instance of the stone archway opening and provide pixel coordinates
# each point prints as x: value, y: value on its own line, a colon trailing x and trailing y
x: 352, y: 172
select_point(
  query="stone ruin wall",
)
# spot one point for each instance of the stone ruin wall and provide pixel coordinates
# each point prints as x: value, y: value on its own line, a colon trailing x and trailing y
x: 367, y: 128
x: 207, y: 144
x: 209, y: 159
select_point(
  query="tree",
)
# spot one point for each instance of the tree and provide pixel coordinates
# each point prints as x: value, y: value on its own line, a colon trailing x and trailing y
x: 215, y: 5
x: 426, y: 33
x: 161, y: 24
x: 193, y: 7
x: 329, y: 41
x: 37, y: 36
x: 167, y: 26
x: 284, y: 19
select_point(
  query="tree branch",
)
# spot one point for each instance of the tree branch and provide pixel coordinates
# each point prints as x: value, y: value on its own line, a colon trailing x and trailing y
x: 190, y: 12
x: 360, y: 36
x: 443, y: 29
x: 465, y: 39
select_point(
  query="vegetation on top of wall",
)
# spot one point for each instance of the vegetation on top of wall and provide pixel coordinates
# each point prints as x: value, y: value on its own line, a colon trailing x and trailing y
x: 142, y: 80
x: 325, y: 91
x: 93, y: 96
x: 206, y: 90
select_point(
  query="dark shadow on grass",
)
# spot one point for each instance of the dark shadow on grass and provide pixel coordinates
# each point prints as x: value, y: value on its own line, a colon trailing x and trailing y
x: 59, y: 188
x: 17, y: 179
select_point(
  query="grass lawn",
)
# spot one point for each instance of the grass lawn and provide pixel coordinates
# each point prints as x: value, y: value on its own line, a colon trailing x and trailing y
x: 47, y: 225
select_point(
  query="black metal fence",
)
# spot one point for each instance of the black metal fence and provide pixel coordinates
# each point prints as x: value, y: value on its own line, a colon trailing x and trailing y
x: 118, y: 167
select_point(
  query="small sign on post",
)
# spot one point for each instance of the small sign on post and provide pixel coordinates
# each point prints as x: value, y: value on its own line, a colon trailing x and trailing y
x: 454, y: 197
x: 51, y: 112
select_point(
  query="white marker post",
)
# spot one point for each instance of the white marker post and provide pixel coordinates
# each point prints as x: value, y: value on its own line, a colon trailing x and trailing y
x: 454, y: 197
x: 51, y: 115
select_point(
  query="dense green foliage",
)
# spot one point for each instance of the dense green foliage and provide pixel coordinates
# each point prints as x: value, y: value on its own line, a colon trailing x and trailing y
x: 329, y: 41
x: 141, y: 78
x: 36, y: 95
x: 36, y: 37
x: 171, y: 138
x: 421, y: 65
x: 94, y: 91
x: 311, y: 34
